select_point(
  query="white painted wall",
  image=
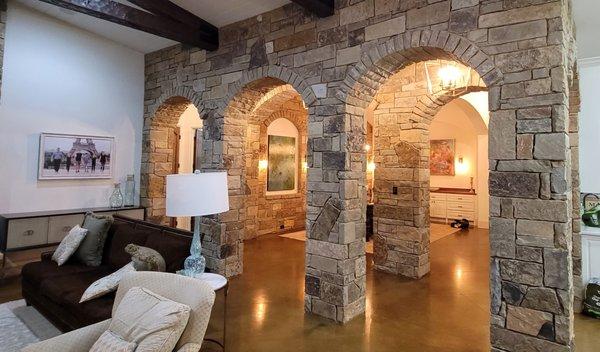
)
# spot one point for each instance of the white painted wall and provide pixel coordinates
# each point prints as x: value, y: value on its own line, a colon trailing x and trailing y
x: 589, y: 125
x: 57, y: 78
x: 188, y: 123
x: 453, y: 123
x: 465, y: 120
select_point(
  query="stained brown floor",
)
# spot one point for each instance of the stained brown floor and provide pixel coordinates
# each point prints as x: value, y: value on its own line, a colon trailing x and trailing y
x: 445, y: 311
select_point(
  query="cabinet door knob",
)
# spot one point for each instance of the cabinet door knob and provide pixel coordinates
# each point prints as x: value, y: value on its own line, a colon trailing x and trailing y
x: 28, y: 233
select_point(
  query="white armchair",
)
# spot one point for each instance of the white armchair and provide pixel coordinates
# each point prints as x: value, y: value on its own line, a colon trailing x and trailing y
x: 198, y: 295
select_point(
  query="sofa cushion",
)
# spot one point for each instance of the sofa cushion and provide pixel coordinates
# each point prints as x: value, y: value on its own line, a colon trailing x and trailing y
x: 91, y: 248
x: 120, y: 235
x: 66, y: 291
x: 174, y: 249
x: 37, y: 272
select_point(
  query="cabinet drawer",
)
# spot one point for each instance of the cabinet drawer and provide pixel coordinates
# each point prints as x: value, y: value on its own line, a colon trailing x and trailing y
x: 27, y: 233
x: 437, y: 196
x: 133, y: 213
x: 461, y: 206
x: 460, y: 198
x: 436, y: 213
x: 455, y: 214
x: 59, y: 226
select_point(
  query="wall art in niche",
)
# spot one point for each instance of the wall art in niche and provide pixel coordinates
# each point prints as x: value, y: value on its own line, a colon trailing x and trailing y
x: 281, y: 174
x: 66, y: 156
x: 441, y: 157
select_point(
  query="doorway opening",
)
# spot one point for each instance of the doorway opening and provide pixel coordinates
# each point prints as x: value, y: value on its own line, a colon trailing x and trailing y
x: 172, y: 144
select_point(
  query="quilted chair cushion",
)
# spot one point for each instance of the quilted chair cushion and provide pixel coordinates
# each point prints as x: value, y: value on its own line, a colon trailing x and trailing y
x: 109, y: 342
x: 196, y: 294
x: 153, y: 322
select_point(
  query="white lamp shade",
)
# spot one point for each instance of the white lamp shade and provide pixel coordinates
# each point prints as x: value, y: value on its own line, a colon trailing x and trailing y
x: 197, y: 194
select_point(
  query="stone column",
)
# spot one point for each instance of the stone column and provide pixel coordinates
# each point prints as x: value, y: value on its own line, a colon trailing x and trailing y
x: 335, y: 249
x: 531, y: 205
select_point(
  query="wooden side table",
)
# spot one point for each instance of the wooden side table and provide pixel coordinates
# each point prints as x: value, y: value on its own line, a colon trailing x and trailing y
x: 220, y: 284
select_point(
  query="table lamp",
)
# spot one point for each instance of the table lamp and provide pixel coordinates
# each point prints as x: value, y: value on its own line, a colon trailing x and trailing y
x: 196, y: 195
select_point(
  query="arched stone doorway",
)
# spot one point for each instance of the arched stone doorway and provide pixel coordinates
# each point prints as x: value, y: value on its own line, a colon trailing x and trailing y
x: 160, y: 155
x: 402, y: 112
x: 521, y: 197
x: 246, y: 117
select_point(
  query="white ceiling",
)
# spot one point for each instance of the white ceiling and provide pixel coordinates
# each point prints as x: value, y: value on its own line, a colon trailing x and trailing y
x: 224, y: 12
x: 218, y: 13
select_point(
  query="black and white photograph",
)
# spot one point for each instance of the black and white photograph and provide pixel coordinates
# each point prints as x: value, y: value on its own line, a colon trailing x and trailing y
x: 64, y: 156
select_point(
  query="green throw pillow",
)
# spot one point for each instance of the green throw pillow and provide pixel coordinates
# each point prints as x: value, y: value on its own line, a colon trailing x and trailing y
x: 91, y: 248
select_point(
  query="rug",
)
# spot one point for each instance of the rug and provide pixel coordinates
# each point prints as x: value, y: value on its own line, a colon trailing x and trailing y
x: 21, y: 325
x: 437, y: 232
x: 301, y: 236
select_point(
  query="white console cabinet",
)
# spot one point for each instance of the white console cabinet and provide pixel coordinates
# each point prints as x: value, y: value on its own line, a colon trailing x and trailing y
x: 448, y: 206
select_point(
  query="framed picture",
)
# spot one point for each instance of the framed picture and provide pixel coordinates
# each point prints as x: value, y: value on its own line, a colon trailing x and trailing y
x: 65, y: 156
x: 441, y: 157
x: 282, y: 168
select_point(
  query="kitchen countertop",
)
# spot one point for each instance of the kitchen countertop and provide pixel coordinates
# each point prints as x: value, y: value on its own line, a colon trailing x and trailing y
x: 453, y: 191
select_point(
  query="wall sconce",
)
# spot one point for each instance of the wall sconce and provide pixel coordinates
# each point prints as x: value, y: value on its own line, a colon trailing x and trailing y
x: 304, y: 166
x: 263, y: 164
x: 371, y: 166
x: 462, y: 166
x: 367, y: 147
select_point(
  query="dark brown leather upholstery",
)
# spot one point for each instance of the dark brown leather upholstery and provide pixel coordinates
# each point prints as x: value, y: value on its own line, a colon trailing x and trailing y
x: 55, y: 291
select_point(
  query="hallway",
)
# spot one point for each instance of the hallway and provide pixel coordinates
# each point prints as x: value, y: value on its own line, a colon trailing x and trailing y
x: 447, y: 310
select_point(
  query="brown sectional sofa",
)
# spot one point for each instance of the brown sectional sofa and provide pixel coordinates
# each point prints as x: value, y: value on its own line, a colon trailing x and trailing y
x: 55, y: 291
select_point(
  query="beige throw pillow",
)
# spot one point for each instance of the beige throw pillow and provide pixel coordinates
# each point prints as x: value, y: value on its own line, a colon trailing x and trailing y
x: 151, y: 321
x: 106, y: 284
x: 69, y: 245
x: 109, y: 342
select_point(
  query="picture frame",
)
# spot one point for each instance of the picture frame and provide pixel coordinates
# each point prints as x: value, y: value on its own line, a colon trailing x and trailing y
x: 75, y: 157
x: 441, y: 157
x: 282, y: 164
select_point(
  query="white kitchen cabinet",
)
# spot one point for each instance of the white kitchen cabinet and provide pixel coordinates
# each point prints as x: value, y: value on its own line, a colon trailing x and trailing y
x: 448, y: 207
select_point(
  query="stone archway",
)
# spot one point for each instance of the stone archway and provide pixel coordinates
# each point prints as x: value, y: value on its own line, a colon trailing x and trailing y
x: 401, y: 178
x: 159, y: 151
x: 225, y: 136
x: 524, y: 266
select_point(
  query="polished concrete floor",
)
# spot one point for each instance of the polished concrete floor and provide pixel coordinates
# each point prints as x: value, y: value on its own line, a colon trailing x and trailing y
x: 446, y: 311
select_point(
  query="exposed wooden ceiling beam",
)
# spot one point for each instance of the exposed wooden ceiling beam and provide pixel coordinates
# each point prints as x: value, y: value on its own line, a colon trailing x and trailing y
x: 321, y: 8
x: 168, y: 9
x: 205, y: 36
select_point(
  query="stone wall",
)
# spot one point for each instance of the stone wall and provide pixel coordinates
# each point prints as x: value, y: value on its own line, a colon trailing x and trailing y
x: 523, y: 52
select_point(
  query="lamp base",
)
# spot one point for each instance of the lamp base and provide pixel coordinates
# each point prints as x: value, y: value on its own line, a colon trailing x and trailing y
x: 194, y: 266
